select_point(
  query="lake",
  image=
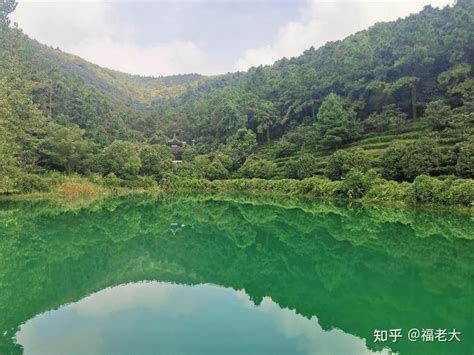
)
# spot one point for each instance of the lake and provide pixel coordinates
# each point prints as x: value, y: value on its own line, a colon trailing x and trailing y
x: 187, y: 274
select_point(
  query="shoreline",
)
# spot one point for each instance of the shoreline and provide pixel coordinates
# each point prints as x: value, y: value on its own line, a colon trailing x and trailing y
x: 81, y: 192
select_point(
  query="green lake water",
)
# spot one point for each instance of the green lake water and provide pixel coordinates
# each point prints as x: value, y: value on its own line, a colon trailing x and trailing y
x: 232, y: 275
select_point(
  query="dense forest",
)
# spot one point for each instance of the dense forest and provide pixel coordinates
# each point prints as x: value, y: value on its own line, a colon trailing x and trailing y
x: 391, y: 103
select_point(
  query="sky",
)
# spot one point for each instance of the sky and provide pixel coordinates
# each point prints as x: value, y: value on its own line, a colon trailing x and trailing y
x: 165, y: 37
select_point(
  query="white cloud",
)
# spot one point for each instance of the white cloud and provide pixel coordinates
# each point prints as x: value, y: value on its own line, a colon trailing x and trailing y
x: 309, y: 334
x: 65, y: 23
x: 158, y: 59
x: 89, y: 30
x: 329, y: 20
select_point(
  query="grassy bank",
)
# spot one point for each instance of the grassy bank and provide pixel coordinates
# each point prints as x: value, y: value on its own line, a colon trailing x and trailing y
x: 425, y: 190
x: 449, y: 192
x: 77, y: 191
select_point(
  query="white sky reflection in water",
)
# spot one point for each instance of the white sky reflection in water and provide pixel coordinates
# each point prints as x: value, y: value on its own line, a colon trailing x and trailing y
x: 149, y: 317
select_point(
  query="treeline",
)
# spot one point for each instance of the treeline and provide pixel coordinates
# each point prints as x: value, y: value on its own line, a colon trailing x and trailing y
x: 406, y: 87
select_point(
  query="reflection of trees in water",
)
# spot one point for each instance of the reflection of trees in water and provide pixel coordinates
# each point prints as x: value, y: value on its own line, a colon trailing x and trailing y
x: 352, y: 267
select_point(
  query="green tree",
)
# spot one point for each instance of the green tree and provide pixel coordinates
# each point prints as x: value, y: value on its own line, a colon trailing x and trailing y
x: 438, y: 115
x: 22, y: 120
x: 120, y: 158
x: 390, y: 117
x: 189, y: 153
x: 156, y: 160
x: 6, y: 8
x: 334, y: 121
x: 265, y: 116
x: 465, y: 161
x: 284, y: 148
x: 159, y: 138
x: 227, y: 161
x: 240, y: 146
x: 456, y: 78
x: 411, y: 83
x: 64, y: 148
x: 219, y: 114
x: 9, y: 169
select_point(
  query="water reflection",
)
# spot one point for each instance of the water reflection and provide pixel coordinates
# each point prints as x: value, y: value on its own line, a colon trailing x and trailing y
x: 146, y: 318
x: 345, y: 269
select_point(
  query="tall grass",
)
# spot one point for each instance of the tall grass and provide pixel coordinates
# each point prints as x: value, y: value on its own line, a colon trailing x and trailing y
x: 79, y: 190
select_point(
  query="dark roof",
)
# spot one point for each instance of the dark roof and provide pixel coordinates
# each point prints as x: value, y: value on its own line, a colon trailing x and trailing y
x: 175, y: 141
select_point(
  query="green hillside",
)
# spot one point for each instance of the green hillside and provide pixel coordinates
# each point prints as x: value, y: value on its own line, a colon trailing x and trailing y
x: 395, y: 100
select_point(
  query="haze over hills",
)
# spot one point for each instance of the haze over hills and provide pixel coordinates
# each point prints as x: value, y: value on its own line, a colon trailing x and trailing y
x: 396, y: 81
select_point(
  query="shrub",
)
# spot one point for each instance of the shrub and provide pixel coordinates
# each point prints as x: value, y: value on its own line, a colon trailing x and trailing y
x: 449, y: 192
x: 420, y: 158
x: 172, y: 183
x: 343, y: 161
x: 111, y: 180
x: 356, y: 184
x: 8, y: 185
x: 425, y: 189
x: 216, y: 170
x: 227, y: 161
x: 384, y: 190
x: 319, y: 187
x: 258, y: 168
x: 390, y: 162
x: 301, y: 167
x: 27, y: 183
x: 183, y: 170
x: 405, y: 162
x: 96, y: 179
x: 140, y: 182
x: 461, y: 192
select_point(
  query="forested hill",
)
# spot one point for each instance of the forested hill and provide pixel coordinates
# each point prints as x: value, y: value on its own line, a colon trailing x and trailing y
x: 71, y: 90
x: 409, y: 63
x: 395, y: 82
x: 40, y: 63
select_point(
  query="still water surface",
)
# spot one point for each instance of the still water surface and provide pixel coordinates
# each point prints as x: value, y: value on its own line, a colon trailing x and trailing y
x: 230, y: 275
